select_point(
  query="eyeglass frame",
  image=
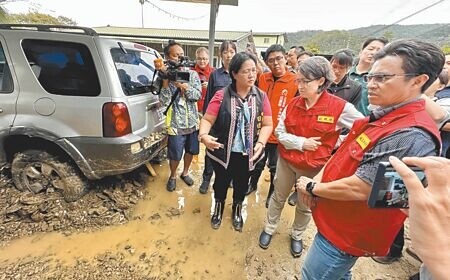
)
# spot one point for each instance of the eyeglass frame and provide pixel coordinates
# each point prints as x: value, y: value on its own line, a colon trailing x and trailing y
x: 305, y: 81
x: 382, y: 78
x: 272, y: 60
x: 201, y: 58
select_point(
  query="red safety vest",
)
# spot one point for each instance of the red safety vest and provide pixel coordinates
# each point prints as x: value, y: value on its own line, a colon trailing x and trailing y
x: 352, y: 226
x: 320, y: 121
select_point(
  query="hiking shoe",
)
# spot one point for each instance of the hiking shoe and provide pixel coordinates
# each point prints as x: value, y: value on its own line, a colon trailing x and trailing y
x: 385, y: 259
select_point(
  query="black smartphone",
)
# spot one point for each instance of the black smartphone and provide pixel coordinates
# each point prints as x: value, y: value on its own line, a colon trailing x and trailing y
x: 388, y: 189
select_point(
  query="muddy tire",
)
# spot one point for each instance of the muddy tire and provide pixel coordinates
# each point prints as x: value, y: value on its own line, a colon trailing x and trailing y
x: 36, y: 170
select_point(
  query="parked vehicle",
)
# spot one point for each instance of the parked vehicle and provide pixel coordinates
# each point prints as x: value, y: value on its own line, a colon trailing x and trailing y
x: 74, y: 106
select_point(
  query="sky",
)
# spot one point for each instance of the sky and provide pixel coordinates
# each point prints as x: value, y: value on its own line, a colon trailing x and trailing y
x: 255, y: 15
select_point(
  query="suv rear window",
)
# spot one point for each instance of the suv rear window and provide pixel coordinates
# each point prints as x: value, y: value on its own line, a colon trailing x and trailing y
x: 62, y: 68
x: 6, y: 82
x: 135, y: 70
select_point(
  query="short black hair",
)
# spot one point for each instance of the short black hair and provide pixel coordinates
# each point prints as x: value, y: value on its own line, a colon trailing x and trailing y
x: 274, y: 48
x: 170, y: 44
x: 418, y: 57
x: 236, y: 64
x: 227, y: 44
x: 343, y: 57
x: 371, y: 39
x: 308, y: 53
x: 298, y: 48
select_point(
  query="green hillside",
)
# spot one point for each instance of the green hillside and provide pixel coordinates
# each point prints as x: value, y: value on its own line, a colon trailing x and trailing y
x: 330, y: 41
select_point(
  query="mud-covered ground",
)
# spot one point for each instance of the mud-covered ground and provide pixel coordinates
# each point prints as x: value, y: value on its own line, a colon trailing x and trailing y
x: 130, y: 227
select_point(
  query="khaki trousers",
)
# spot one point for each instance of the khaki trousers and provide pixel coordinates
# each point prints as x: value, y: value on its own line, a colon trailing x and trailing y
x: 285, y: 178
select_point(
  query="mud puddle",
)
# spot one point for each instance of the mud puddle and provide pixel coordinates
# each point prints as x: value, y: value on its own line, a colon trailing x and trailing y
x: 168, y: 236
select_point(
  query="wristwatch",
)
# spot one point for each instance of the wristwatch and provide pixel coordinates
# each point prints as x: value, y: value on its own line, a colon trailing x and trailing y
x: 309, y: 188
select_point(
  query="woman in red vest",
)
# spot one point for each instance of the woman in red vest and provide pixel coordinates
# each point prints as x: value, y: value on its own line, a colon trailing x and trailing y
x: 308, y: 131
x: 203, y: 70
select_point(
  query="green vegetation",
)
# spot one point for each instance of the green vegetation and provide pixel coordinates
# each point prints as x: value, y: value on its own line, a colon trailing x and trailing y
x: 35, y: 18
x: 327, y: 42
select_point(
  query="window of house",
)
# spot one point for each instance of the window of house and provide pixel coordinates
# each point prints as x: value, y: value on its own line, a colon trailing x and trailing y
x: 62, y: 68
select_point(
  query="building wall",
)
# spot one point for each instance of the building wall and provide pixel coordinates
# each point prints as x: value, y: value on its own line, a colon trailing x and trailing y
x: 264, y: 41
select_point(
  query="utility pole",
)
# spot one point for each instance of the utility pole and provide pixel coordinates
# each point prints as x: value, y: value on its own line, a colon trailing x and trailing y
x: 142, y: 12
x: 212, y: 28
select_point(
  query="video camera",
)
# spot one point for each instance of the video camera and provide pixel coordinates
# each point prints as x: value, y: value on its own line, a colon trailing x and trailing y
x: 173, y: 72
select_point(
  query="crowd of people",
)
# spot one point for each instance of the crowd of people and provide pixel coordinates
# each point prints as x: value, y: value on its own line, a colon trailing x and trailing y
x: 321, y: 127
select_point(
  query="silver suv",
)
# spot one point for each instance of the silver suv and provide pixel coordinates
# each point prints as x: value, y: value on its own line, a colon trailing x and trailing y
x: 74, y: 106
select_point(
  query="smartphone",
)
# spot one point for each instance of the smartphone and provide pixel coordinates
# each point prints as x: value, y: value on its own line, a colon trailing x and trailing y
x: 388, y: 189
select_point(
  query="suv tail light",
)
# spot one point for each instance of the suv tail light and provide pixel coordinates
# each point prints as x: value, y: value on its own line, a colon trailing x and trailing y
x: 116, y: 119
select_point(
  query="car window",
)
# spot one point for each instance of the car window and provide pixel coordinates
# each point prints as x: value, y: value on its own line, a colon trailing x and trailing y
x: 62, y: 68
x: 6, y: 82
x: 135, y: 70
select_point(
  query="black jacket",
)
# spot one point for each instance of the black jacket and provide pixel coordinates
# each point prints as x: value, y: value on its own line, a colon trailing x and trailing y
x: 348, y: 90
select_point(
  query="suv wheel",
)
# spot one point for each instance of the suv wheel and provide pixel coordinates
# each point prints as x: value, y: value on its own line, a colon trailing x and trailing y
x: 36, y: 170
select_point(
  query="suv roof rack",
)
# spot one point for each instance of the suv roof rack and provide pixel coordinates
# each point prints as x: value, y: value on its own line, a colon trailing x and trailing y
x: 51, y: 28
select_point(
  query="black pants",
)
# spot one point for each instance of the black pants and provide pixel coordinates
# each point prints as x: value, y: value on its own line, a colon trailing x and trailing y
x: 270, y: 155
x: 237, y: 172
x: 208, y: 170
x: 397, y: 245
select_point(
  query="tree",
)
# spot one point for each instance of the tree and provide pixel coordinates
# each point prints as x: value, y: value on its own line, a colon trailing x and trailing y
x: 3, y: 11
x: 446, y: 49
x: 38, y: 18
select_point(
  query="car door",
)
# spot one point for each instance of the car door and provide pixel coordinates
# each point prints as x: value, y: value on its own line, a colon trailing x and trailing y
x: 8, y: 91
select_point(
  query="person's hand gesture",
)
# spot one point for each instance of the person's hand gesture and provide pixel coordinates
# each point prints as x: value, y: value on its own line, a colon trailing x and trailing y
x: 311, y: 144
x: 257, y: 150
x: 211, y: 142
x: 303, y: 195
x: 429, y: 210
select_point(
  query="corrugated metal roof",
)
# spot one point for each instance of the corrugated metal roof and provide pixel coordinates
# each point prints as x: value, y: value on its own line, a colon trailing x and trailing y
x: 200, y: 35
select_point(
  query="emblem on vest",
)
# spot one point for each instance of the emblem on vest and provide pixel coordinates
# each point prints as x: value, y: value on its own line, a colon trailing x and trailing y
x: 363, y: 140
x: 325, y: 119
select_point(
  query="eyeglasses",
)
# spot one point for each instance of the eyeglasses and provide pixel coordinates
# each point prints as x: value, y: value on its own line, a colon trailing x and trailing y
x: 202, y: 58
x: 273, y: 59
x: 382, y: 78
x: 304, y: 82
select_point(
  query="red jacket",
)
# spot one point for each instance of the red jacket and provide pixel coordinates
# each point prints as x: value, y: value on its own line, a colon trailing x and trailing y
x: 319, y: 121
x: 352, y: 226
x: 280, y: 93
x: 203, y: 74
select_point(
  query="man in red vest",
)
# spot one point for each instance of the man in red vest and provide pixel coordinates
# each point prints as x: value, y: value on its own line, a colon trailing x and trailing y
x: 399, y: 126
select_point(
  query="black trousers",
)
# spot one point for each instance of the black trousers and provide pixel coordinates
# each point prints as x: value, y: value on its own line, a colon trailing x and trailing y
x: 237, y: 172
x: 208, y: 170
x: 271, y: 157
x: 397, y: 245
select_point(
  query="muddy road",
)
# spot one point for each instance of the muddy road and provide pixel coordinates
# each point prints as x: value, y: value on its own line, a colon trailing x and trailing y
x: 130, y: 227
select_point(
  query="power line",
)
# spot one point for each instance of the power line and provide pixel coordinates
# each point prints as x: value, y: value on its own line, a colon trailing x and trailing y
x: 171, y: 14
x: 395, y: 8
x: 402, y: 19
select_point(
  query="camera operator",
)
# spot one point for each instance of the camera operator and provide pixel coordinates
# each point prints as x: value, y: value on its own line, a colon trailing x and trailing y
x: 182, y: 121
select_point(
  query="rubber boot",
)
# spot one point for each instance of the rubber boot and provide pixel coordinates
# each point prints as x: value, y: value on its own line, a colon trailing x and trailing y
x: 271, y: 188
x: 236, y: 214
x: 216, y: 218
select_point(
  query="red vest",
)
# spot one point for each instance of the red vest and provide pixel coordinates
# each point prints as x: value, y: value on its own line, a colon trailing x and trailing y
x: 352, y: 226
x: 320, y: 121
